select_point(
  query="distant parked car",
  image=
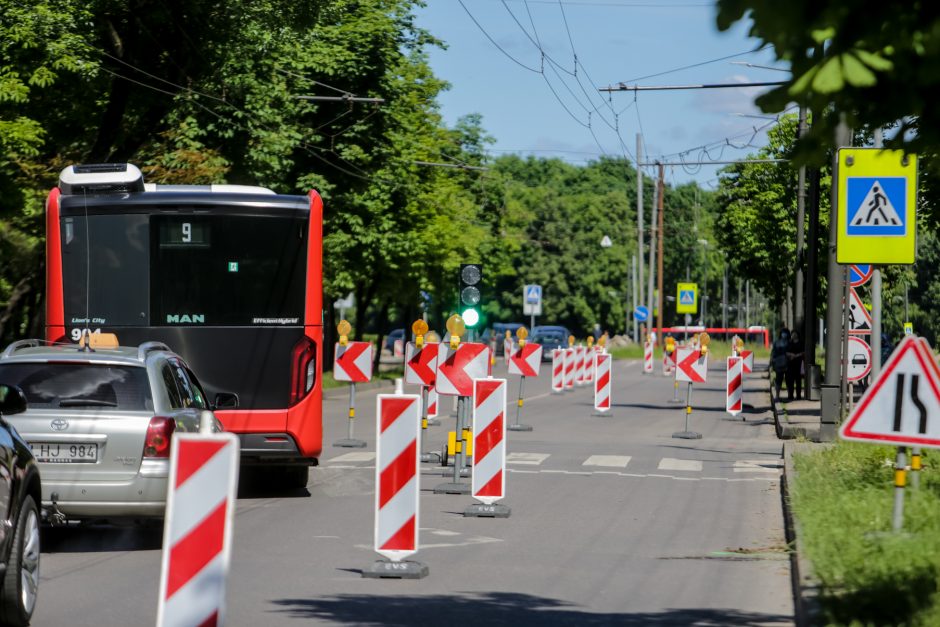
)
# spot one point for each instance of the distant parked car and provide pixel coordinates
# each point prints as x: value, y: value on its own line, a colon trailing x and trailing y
x: 498, y: 330
x: 397, y: 334
x: 19, y: 535
x: 100, y: 422
x: 549, y: 341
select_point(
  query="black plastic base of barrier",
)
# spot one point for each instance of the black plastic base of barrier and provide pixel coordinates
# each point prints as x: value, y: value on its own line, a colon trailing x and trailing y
x: 687, y: 435
x: 387, y: 569
x: 349, y: 443
x: 452, y: 488
x: 433, y: 422
x: 481, y: 510
x: 519, y: 427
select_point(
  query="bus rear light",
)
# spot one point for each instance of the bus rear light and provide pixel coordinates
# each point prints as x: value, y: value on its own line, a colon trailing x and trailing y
x: 159, y: 432
x: 302, y: 369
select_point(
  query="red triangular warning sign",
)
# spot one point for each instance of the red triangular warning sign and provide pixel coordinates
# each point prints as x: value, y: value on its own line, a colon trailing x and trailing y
x: 859, y: 318
x: 902, y: 406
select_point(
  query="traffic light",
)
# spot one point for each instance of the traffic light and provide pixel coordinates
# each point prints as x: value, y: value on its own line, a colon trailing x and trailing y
x: 471, y: 280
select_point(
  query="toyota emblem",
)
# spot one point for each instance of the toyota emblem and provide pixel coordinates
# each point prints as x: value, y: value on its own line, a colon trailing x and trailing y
x: 60, y: 424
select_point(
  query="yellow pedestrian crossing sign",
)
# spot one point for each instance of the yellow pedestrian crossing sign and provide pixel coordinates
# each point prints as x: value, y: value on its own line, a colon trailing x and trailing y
x: 687, y: 298
x: 877, y: 201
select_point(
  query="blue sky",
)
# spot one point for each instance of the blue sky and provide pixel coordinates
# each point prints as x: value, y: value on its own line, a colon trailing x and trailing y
x: 614, y: 40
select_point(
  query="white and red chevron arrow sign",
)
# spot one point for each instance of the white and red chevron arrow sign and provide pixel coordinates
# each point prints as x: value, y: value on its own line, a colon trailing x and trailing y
x: 488, y: 483
x: 397, y: 473
x: 748, y: 357
x: 421, y: 364
x: 353, y: 362
x: 526, y: 361
x: 691, y: 365
x: 456, y: 369
x: 735, y: 385
x: 197, y: 530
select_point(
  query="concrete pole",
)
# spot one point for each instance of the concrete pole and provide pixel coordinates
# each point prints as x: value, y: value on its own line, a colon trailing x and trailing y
x: 831, y: 400
x: 659, y: 270
x: 799, y: 314
x: 635, y: 299
x: 652, y: 271
x: 639, y: 224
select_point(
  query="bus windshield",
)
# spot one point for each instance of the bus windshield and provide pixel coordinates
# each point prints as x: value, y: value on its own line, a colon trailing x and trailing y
x: 182, y: 269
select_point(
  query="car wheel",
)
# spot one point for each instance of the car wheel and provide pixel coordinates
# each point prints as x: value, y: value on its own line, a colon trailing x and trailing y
x: 21, y: 583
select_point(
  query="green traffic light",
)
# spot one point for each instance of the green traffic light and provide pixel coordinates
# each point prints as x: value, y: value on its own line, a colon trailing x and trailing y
x: 471, y: 317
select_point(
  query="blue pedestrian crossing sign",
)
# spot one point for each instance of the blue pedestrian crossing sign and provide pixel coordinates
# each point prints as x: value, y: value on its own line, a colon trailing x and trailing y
x: 877, y: 197
x: 533, y: 294
x: 687, y: 298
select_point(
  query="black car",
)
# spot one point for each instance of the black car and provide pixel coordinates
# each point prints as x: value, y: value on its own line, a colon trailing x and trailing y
x: 20, y: 493
x: 548, y: 342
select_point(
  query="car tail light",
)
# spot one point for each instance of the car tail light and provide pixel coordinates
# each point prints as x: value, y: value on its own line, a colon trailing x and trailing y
x: 159, y: 432
x: 302, y: 369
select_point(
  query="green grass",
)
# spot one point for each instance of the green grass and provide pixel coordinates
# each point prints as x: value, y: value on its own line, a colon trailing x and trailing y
x: 843, y: 499
x: 716, y: 350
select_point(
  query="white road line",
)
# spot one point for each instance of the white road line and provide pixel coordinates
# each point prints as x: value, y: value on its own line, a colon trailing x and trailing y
x: 609, y: 461
x: 359, y: 456
x: 640, y: 476
x: 759, y: 465
x: 528, y: 459
x: 670, y: 463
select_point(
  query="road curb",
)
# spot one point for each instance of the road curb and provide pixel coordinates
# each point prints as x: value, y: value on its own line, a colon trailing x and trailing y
x: 806, y: 588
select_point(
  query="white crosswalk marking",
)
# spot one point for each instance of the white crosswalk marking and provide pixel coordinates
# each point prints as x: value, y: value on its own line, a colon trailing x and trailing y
x: 528, y: 459
x: 358, y: 456
x: 669, y: 463
x: 608, y: 461
x: 759, y: 465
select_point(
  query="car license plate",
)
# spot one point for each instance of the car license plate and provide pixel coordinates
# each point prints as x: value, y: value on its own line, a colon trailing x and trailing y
x: 64, y: 452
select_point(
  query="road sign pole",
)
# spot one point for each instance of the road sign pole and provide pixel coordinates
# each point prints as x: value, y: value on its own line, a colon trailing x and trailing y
x: 431, y: 456
x: 876, y: 322
x: 675, y: 393
x: 915, y: 467
x: 455, y: 486
x: 897, y: 519
x: 688, y: 434
x: 516, y: 426
x: 349, y: 441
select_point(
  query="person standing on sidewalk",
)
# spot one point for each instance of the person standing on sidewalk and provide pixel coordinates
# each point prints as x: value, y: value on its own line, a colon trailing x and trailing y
x: 794, y: 367
x: 779, y: 361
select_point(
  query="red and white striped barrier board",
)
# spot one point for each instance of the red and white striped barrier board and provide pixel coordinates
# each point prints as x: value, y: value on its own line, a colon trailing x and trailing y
x: 558, y: 370
x: 397, y: 471
x: 735, y: 385
x: 526, y: 361
x: 691, y: 366
x: 602, y: 363
x: 748, y: 357
x: 197, y: 530
x: 669, y: 363
x: 421, y: 364
x: 648, y: 357
x: 508, y: 347
x: 398, y: 348
x: 432, y: 403
x: 581, y: 355
x: 488, y: 483
x: 353, y: 362
x: 589, y: 364
x: 571, y: 365
x: 456, y: 369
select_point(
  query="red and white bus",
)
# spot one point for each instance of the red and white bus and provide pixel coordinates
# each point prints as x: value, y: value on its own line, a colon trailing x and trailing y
x: 230, y: 277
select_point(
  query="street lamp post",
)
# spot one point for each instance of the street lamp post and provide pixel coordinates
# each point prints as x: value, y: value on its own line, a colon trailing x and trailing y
x: 704, y: 243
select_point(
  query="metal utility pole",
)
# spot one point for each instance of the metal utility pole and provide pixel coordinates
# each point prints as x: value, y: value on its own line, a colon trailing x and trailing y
x: 635, y: 299
x: 799, y: 314
x: 652, y: 272
x: 639, y: 226
x: 831, y: 398
x: 876, y: 297
x: 810, y: 337
x: 724, y: 299
x: 659, y: 273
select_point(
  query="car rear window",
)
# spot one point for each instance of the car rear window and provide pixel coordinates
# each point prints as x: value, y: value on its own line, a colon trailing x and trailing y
x: 80, y: 386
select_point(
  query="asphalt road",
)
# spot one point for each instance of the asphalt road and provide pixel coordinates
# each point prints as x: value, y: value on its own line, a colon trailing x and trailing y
x: 614, y: 522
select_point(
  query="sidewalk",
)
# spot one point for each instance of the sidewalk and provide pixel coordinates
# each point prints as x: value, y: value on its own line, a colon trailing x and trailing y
x: 798, y: 419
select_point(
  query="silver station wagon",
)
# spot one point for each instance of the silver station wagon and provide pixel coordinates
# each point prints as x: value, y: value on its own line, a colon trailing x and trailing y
x: 100, y: 420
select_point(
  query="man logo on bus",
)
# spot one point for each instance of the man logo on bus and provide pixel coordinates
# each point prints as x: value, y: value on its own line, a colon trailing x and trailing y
x: 185, y: 319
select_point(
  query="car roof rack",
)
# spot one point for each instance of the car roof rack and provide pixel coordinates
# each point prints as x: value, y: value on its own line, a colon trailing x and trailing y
x: 19, y: 344
x: 147, y: 347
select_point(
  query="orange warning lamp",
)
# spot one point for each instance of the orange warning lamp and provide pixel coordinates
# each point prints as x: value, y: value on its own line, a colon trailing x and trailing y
x: 670, y: 344
x: 570, y: 340
x: 603, y: 340
x: 419, y: 328
x: 344, y: 329
x: 456, y: 327
x: 703, y: 341
x: 522, y: 334
x: 590, y: 341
